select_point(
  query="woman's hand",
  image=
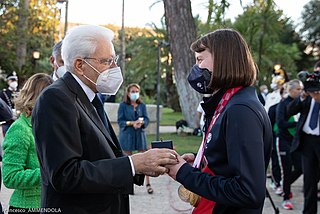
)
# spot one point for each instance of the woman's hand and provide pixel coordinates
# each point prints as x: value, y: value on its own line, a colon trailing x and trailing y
x: 137, y: 124
x: 173, y: 169
x: 189, y: 157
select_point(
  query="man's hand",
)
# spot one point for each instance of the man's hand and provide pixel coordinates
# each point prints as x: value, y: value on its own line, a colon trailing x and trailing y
x: 152, y: 162
x: 304, y: 94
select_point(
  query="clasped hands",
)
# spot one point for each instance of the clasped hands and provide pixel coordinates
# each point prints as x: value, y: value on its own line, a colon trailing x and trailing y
x: 137, y: 124
x: 155, y: 162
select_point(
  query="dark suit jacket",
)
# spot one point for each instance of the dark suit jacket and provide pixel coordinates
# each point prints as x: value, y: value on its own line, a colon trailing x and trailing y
x: 5, y: 111
x: 272, y: 116
x: 238, y: 153
x: 283, y: 122
x: 294, y: 107
x: 83, y: 169
x: 261, y: 99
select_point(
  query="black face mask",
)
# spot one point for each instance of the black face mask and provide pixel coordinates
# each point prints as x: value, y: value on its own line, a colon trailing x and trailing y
x: 199, y: 79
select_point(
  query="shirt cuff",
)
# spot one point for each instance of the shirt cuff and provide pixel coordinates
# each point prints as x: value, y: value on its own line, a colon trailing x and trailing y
x: 132, y: 166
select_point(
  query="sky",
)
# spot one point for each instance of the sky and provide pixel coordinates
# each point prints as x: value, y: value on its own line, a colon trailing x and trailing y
x: 140, y: 13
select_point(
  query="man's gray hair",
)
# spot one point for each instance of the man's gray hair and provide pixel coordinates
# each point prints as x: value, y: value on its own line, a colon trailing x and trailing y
x: 56, y: 50
x: 82, y: 41
x: 292, y: 84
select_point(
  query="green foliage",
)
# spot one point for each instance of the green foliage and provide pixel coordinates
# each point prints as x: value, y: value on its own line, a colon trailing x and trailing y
x: 42, y: 21
x: 270, y: 35
x: 269, y: 43
x: 169, y: 117
x: 183, y: 143
x: 311, y: 27
x: 141, y: 61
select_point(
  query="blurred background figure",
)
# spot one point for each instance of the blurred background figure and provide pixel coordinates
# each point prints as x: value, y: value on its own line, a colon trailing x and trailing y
x: 278, y: 70
x: 8, y: 94
x: 279, y: 77
x: 263, y: 94
x: 56, y: 62
x: 5, y: 111
x: 5, y: 115
x: 275, y: 184
x: 290, y: 163
x: 21, y: 169
x: 133, y: 119
x: 307, y: 136
x: 199, y: 123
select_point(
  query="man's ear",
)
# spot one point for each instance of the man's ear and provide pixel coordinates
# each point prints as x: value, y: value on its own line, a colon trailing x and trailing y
x: 78, y: 66
x: 52, y: 61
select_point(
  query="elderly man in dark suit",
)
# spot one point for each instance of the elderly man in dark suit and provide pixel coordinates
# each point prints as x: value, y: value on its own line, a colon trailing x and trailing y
x: 307, y: 137
x: 83, y: 168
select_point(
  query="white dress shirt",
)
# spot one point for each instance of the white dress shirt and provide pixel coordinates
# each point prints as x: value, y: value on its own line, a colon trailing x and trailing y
x: 90, y: 94
x: 306, y: 128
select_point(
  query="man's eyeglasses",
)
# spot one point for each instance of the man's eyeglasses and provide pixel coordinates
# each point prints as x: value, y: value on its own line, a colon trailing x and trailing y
x: 106, y: 61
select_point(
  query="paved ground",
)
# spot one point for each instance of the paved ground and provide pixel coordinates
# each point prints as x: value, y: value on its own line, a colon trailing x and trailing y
x: 165, y: 200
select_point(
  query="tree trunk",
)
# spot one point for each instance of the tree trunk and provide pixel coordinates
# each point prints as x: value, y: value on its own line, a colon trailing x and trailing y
x: 171, y: 92
x: 182, y: 32
x: 22, y: 32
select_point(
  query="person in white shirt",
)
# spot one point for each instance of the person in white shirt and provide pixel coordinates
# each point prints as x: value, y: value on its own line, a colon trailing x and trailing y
x: 307, y: 137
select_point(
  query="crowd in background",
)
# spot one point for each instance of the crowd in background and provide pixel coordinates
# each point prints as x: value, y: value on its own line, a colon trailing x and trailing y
x: 294, y: 115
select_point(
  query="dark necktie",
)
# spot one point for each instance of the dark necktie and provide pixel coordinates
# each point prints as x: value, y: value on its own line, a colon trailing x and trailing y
x: 314, y: 116
x: 96, y: 102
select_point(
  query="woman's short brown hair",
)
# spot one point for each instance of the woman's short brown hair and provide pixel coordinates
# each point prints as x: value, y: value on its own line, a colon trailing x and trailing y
x: 233, y: 64
x: 30, y: 92
x: 127, y: 98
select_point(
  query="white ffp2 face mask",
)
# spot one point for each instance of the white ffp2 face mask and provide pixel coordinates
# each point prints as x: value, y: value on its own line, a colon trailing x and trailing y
x: 109, y: 81
x: 13, y: 85
x: 61, y: 71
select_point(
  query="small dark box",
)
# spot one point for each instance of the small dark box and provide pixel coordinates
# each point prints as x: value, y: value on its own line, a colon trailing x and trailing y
x: 162, y: 144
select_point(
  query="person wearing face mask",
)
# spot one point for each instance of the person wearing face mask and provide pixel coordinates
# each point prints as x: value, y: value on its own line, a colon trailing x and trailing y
x: 263, y: 94
x: 274, y: 97
x: 132, y: 120
x: 286, y: 126
x: 307, y: 135
x: 8, y: 94
x: 58, y: 66
x: 57, y: 62
x: 21, y: 170
x: 228, y: 174
x: 83, y: 167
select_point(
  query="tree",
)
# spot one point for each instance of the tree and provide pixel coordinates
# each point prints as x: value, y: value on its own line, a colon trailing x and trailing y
x: 269, y: 43
x: 22, y: 30
x: 311, y: 27
x: 181, y: 33
x: 27, y: 25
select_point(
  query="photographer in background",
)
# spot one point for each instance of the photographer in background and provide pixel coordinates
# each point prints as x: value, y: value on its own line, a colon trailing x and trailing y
x: 307, y: 135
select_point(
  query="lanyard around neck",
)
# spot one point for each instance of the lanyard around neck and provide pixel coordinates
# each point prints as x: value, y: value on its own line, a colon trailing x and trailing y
x: 223, y: 102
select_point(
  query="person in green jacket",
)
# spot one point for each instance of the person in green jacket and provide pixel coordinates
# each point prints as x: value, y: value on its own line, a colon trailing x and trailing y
x: 21, y: 169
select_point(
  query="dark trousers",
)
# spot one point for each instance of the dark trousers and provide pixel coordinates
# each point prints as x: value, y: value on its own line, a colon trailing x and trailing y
x: 275, y: 167
x: 285, y: 165
x: 296, y: 158
x: 310, y: 147
x: 291, y: 165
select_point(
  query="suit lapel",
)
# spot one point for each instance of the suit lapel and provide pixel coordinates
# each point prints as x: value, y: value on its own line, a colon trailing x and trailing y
x: 87, y: 107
